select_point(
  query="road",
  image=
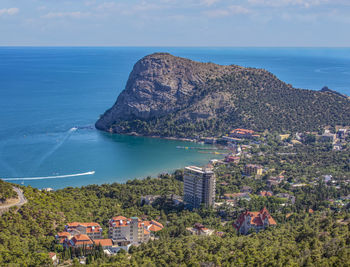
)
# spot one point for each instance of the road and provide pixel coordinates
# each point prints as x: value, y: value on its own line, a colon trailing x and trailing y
x: 21, y: 200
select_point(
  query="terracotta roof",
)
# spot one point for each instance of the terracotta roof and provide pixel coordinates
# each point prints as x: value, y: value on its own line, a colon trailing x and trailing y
x: 157, y: 223
x: 63, y: 234
x: 52, y: 254
x: 95, y: 230
x: 73, y: 224
x: 88, y: 224
x: 103, y: 242
x: 81, y: 239
x: 256, y: 218
x: 119, y: 221
x: 117, y: 218
x: 242, y: 131
x: 153, y: 225
x: 146, y: 232
x: 266, y: 193
x: 155, y: 228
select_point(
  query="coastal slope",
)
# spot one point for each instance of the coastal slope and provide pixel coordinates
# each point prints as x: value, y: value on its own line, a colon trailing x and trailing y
x: 176, y: 97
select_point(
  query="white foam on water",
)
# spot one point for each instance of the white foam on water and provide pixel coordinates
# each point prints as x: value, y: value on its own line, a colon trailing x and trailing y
x: 54, y: 148
x: 49, y: 177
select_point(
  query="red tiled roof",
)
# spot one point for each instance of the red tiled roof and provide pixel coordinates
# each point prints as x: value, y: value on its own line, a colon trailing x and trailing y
x: 119, y: 221
x: 73, y: 224
x: 52, y: 254
x: 117, y: 218
x: 155, y: 228
x: 265, y: 193
x: 153, y: 225
x: 88, y: 224
x: 95, y: 230
x: 242, y: 131
x: 103, y: 242
x: 63, y: 234
x: 82, y: 240
x: 256, y: 218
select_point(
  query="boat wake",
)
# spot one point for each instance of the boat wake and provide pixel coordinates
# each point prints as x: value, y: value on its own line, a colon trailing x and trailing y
x: 54, y: 148
x: 49, y: 177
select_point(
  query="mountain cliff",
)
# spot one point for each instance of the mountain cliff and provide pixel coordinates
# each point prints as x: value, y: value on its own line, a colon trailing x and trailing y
x: 172, y: 96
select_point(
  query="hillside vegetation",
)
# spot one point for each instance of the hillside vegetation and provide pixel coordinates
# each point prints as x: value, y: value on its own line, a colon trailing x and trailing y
x: 6, y: 191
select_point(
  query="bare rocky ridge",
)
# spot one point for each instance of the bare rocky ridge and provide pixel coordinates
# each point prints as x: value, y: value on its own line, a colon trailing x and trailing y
x: 158, y: 85
x: 167, y: 95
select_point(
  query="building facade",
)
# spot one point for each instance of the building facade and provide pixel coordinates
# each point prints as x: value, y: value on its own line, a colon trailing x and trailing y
x: 254, y: 221
x: 199, y: 187
x: 91, y: 229
x: 124, y: 231
x: 253, y: 169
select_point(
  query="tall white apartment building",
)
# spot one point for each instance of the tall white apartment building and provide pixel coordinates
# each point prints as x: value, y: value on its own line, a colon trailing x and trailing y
x: 199, y: 187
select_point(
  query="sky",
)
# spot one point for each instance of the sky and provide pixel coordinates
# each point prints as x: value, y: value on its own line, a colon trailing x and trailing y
x: 324, y: 23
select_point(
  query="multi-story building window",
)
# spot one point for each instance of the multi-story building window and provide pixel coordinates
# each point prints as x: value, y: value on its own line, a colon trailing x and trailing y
x: 199, y: 187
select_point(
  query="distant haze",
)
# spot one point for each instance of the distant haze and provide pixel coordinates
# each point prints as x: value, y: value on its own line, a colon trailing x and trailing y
x: 289, y: 23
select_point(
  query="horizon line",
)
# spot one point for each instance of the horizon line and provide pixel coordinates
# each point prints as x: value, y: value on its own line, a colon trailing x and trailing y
x: 168, y: 46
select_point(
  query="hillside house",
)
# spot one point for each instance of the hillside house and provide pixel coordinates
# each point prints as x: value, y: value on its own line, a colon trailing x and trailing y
x: 253, y: 169
x: 199, y: 229
x: 254, y: 221
x: 243, y: 133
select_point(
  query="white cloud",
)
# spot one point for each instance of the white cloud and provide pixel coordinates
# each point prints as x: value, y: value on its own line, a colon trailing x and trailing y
x: 280, y: 3
x: 209, y: 2
x: 75, y: 15
x: 231, y: 10
x: 9, y: 11
x: 106, y: 5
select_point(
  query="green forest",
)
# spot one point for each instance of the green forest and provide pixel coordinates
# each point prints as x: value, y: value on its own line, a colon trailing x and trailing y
x: 257, y: 100
x: 313, y: 231
x: 6, y: 191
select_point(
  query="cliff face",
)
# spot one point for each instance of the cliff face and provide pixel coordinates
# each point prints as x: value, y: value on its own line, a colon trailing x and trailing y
x: 158, y: 85
x: 167, y: 95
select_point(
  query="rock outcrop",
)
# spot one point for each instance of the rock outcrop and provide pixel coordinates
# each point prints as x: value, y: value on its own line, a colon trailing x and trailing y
x: 167, y: 95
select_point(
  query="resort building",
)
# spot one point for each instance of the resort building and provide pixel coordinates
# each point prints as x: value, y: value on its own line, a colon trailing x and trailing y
x: 62, y: 236
x: 253, y: 169
x: 231, y: 158
x: 124, y: 231
x: 328, y: 137
x: 242, y: 133
x: 199, y: 187
x: 254, y: 221
x: 199, y: 229
x: 91, y: 229
x: 79, y: 241
x: 104, y: 243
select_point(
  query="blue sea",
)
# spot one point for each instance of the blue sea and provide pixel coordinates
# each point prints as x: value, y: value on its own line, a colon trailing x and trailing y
x: 50, y: 98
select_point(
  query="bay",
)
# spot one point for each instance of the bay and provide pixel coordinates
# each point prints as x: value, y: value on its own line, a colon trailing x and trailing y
x: 50, y: 98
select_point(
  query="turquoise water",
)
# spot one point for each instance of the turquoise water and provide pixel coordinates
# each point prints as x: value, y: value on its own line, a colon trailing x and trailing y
x: 51, y: 97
